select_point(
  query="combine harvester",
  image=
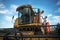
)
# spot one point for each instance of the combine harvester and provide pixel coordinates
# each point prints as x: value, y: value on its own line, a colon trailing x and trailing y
x: 29, y: 25
x: 29, y: 20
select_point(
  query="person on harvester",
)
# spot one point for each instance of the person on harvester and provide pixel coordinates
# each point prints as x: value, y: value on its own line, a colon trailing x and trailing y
x: 47, y: 27
x: 36, y: 19
x: 45, y: 22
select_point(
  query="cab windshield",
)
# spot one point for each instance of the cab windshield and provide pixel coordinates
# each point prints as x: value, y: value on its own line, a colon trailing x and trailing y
x: 24, y: 16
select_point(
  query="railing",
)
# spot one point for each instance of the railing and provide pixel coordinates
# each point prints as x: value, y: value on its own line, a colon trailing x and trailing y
x: 22, y: 37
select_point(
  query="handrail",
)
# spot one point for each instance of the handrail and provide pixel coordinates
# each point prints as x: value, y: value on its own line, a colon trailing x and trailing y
x: 36, y: 36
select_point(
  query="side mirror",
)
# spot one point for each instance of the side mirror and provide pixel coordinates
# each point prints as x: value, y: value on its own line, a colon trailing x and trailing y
x: 12, y: 17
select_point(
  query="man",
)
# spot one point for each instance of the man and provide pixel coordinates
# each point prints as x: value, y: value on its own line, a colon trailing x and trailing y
x: 46, y: 29
x: 43, y: 29
x: 36, y: 19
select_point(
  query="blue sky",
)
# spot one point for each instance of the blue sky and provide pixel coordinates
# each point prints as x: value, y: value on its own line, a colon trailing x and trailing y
x: 8, y: 9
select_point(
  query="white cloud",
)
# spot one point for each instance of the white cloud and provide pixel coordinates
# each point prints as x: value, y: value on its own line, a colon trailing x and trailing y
x: 11, y: 10
x: 1, y: 24
x: 53, y: 22
x: 56, y: 19
x: 5, y: 24
x: 58, y: 3
x: 4, y: 11
x: 58, y: 10
x: 49, y: 15
x: 8, y: 15
x: 13, y: 6
x: 2, y: 5
x: 8, y: 18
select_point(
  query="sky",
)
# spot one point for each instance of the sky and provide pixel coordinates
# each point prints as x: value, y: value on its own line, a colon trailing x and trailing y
x: 8, y: 9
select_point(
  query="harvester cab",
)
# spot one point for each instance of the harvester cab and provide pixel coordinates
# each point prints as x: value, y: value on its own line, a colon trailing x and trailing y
x: 28, y: 16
